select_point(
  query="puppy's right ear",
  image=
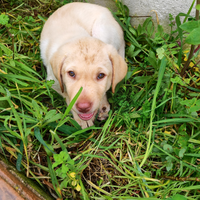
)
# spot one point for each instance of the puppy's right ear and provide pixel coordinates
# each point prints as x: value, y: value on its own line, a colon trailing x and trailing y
x: 57, y: 61
x: 119, y: 66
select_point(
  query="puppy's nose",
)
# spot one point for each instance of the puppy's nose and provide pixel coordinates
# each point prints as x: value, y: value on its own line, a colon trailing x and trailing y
x: 84, y: 107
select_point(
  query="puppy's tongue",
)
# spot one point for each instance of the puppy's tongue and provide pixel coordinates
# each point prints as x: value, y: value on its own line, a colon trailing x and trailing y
x: 86, y: 117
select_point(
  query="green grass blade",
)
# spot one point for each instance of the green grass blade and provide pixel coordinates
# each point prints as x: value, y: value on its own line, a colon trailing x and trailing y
x: 21, y: 77
x: 153, y: 107
x: 26, y: 69
x: 83, y: 191
x: 40, y: 139
x: 29, y: 32
x: 59, y: 141
x: 189, y: 11
x: 133, y: 40
x: 54, y: 178
x: 69, y: 107
x: 19, y: 157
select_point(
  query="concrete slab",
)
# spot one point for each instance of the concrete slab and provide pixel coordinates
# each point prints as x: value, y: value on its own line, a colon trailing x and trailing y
x: 14, y: 186
x: 158, y: 9
x: 7, y: 192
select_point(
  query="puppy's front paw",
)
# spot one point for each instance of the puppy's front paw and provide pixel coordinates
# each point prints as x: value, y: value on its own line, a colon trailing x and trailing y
x: 84, y: 124
x: 103, y: 111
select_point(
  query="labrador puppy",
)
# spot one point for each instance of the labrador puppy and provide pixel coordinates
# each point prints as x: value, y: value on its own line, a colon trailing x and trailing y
x: 83, y: 46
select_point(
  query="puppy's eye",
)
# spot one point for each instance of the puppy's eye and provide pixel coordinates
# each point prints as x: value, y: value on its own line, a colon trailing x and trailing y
x: 72, y: 74
x: 100, y: 76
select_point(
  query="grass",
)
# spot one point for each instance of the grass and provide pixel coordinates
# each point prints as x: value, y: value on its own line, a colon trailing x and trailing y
x: 149, y: 146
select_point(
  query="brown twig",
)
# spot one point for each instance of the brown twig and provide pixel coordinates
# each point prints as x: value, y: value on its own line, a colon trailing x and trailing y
x: 181, y: 178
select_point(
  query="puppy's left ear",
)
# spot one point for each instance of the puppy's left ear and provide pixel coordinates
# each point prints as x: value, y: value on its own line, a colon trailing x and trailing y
x: 57, y: 62
x: 119, y: 67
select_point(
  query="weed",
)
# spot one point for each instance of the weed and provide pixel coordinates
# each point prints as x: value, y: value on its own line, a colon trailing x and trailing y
x: 149, y: 145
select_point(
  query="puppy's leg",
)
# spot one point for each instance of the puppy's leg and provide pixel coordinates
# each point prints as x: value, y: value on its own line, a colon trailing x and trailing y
x: 103, y: 109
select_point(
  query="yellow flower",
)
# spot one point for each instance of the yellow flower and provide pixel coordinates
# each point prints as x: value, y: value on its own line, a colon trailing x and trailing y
x: 185, y: 59
x: 78, y: 187
x: 168, y: 132
x: 186, y: 51
x: 73, y: 174
x: 191, y: 64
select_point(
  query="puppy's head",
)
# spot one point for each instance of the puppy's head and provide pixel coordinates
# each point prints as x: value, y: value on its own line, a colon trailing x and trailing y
x: 91, y: 64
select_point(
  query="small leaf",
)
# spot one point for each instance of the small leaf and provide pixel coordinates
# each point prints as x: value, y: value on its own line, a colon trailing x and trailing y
x: 55, y: 165
x: 160, y: 52
x: 160, y: 29
x: 38, y: 110
x: 50, y: 114
x: 150, y: 29
x: 198, y: 7
x: 61, y: 157
x: 64, y: 184
x: 133, y: 31
x: 178, y: 80
x: 179, y: 197
x: 190, y: 26
x: 65, y: 169
x: 143, y: 79
x: 130, y: 50
x: 134, y: 115
x: 188, y: 102
x: 136, y: 53
x: 152, y: 59
x: 4, y: 19
x: 54, y: 118
x: 70, y: 162
x: 181, y: 153
x: 168, y: 148
x: 5, y: 49
x: 169, y: 166
x: 12, y: 63
x: 146, y: 22
x: 183, y: 141
x: 194, y: 37
x: 182, y: 129
x: 194, y: 108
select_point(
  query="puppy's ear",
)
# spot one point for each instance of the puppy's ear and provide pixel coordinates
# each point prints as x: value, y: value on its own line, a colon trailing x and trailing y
x: 119, y: 67
x: 57, y: 62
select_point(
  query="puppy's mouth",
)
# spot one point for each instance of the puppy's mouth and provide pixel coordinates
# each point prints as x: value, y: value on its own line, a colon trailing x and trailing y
x: 87, y: 116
